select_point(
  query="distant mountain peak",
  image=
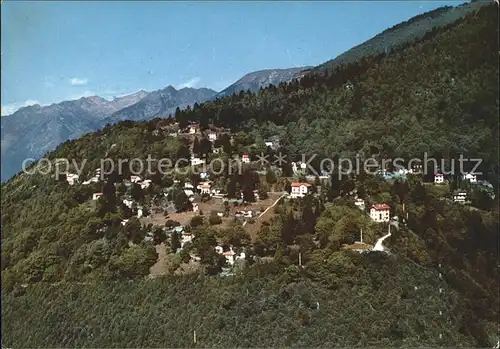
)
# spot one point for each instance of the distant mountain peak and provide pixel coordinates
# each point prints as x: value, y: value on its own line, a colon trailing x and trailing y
x: 256, y: 80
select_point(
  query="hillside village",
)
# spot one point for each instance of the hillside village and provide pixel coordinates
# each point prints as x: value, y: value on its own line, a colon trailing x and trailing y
x: 171, y: 208
x: 275, y: 250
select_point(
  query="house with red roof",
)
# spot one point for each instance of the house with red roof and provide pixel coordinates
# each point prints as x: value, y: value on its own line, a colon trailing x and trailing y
x: 204, y: 187
x: 299, y: 189
x: 380, y: 213
x: 245, y: 158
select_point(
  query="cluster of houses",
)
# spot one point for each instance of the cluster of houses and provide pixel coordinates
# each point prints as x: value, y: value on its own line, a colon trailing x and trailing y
x: 184, y: 236
x: 187, y: 237
x: 203, y: 188
x: 230, y: 255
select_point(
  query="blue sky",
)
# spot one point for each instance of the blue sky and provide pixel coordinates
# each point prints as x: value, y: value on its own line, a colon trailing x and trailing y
x: 54, y: 51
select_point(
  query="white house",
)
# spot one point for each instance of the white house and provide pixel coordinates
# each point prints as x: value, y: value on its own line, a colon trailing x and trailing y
x: 416, y: 168
x: 460, y: 197
x: 269, y: 144
x: 145, y: 184
x: 93, y: 179
x: 380, y: 212
x: 299, y: 189
x: 196, y: 161
x: 212, y: 136
x: 96, y: 196
x: 139, y: 213
x: 470, y: 177
x: 188, y: 185
x: 72, y: 178
x: 124, y: 222
x: 360, y: 203
x: 128, y: 203
x: 196, y: 208
x: 203, y: 175
x: 186, y: 237
x: 135, y: 179
x: 204, y: 187
x: 188, y: 192
x: 438, y: 178
x: 244, y: 213
x: 230, y: 255
x: 245, y: 158
x: 193, y: 129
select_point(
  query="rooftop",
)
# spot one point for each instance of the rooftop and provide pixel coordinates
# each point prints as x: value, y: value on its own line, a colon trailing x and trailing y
x: 381, y: 207
x: 300, y: 184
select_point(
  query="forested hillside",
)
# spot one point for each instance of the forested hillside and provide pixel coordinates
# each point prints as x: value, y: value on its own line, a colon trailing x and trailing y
x: 369, y: 302
x: 399, y: 35
x: 438, y: 95
x: 74, y: 275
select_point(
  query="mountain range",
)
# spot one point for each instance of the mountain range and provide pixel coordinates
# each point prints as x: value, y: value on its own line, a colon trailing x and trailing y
x: 32, y: 131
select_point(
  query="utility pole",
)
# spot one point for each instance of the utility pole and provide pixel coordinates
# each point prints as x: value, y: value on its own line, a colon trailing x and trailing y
x: 300, y: 259
x: 194, y: 336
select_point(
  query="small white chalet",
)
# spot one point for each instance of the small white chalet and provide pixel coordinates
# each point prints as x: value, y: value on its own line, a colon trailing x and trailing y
x: 380, y: 213
x: 472, y: 178
x: 72, y: 178
x: 128, y: 203
x: 135, y: 179
x: 145, y: 184
x: 193, y: 128
x: 360, y: 203
x: 439, y: 178
x: 186, y: 237
x: 204, y: 187
x: 189, y: 192
x: 96, y: 196
x: 299, y: 189
x: 212, y: 136
x: 196, y: 161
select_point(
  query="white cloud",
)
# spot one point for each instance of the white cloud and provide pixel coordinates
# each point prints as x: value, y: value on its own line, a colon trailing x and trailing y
x: 190, y: 83
x: 78, y: 82
x: 13, y: 107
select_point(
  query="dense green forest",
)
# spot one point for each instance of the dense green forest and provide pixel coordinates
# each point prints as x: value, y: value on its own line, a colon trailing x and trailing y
x: 358, y: 302
x: 65, y: 258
